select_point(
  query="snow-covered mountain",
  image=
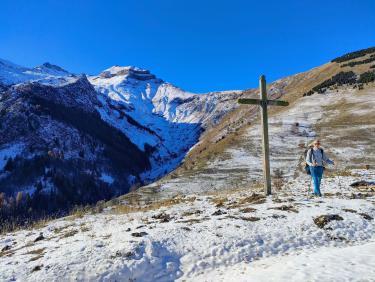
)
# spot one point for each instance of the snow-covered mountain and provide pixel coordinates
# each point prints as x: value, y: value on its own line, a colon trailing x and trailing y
x: 46, y: 73
x: 122, y: 128
x: 158, y: 116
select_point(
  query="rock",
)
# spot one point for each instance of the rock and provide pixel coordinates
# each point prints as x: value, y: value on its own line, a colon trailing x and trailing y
x: 186, y: 228
x: 251, y: 218
x: 365, y: 216
x: 128, y: 254
x: 37, y: 268
x: 6, y: 248
x: 362, y: 183
x: 219, y: 212
x: 163, y: 217
x: 139, y: 234
x: 39, y: 238
x: 349, y: 210
x: 277, y: 216
x: 323, y: 220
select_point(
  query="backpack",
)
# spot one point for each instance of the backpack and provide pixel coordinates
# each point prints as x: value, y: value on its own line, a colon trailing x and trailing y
x: 307, y: 168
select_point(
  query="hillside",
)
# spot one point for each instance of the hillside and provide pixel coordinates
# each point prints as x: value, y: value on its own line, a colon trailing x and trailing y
x: 343, y: 117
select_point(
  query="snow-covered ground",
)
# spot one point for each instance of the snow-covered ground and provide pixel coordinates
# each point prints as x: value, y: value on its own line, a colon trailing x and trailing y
x: 226, y: 236
x: 352, y: 263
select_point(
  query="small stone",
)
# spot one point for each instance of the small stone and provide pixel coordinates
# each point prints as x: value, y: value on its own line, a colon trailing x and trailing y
x: 163, y: 217
x: 219, y: 212
x: 37, y: 268
x: 139, y: 234
x: 39, y: 238
x: 366, y: 216
x: 6, y: 248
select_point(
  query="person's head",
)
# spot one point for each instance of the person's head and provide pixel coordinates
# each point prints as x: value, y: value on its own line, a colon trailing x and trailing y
x: 316, y: 143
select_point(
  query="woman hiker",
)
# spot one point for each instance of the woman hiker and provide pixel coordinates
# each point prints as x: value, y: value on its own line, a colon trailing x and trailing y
x: 315, y: 158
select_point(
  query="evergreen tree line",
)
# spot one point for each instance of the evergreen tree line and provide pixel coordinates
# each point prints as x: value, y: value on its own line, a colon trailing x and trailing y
x: 354, y: 55
x: 342, y: 78
x: 352, y: 64
x: 55, y: 194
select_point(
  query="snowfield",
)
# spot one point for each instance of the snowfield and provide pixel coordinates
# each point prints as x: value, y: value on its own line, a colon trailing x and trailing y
x: 236, y: 235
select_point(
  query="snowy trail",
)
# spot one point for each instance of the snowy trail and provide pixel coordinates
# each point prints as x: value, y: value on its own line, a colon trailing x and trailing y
x: 196, y: 238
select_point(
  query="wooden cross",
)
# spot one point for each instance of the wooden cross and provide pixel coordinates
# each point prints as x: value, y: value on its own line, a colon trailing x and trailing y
x: 263, y: 102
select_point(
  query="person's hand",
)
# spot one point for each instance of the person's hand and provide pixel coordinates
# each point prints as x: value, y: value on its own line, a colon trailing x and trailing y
x: 315, y: 163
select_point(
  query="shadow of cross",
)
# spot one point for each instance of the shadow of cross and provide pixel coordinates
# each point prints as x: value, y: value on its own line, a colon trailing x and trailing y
x: 263, y: 103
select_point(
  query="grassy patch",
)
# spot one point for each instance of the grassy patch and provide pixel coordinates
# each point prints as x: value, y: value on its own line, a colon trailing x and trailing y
x: 128, y: 208
x: 69, y: 233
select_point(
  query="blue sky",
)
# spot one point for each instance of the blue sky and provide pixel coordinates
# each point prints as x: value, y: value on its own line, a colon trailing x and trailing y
x: 199, y: 46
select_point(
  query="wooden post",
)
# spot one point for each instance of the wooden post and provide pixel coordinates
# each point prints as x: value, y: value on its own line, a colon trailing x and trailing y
x: 265, y: 141
x: 263, y: 102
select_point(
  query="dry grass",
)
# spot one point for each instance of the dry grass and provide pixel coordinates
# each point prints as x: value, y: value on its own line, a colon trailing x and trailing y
x: 38, y: 252
x: 248, y: 210
x: 59, y: 229
x: 69, y: 233
x: 218, y: 201
x: 165, y: 203
x: 85, y: 229
x: 13, y: 227
x: 192, y: 220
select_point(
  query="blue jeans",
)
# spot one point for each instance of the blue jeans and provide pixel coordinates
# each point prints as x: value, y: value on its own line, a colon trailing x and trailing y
x: 316, y: 174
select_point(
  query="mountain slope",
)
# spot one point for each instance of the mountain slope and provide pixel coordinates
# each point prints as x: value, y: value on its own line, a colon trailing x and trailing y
x: 158, y: 117
x: 57, y: 152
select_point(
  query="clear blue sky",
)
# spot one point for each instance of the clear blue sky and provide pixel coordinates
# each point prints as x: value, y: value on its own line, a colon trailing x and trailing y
x: 200, y: 46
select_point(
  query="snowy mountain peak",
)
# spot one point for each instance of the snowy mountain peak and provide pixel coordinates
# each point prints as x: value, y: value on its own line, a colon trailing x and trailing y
x: 51, y: 69
x: 127, y: 72
x: 46, y: 73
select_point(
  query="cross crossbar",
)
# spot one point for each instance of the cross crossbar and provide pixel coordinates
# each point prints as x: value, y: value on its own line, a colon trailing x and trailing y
x: 260, y: 102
